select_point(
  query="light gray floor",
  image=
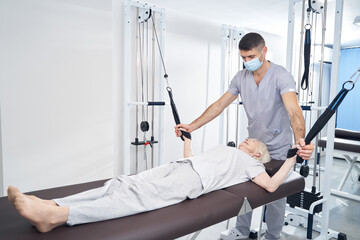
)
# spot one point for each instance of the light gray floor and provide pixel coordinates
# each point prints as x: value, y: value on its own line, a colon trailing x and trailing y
x: 344, y: 214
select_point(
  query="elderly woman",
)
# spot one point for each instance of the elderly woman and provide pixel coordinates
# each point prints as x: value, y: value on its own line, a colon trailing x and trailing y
x: 159, y: 187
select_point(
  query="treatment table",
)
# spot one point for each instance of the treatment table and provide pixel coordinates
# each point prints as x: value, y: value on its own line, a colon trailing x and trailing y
x: 166, y: 223
x: 348, y: 143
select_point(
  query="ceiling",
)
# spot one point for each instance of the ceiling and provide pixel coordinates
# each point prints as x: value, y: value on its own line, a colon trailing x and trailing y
x: 263, y: 15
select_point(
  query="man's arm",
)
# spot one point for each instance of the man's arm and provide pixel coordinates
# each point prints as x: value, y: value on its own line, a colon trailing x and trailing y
x: 297, y: 124
x: 187, y: 148
x: 210, y: 113
x: 296, y: 117
x: 270, y: 184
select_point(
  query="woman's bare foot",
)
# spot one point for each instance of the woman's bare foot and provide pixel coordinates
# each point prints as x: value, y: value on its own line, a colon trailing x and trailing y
x: 12, y: 190
x: 43, y: 216
x: 11, y: 194
x: 47, y: 202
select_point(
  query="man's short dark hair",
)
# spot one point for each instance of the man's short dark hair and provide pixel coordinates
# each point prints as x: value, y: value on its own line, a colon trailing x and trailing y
x: 250, y: 41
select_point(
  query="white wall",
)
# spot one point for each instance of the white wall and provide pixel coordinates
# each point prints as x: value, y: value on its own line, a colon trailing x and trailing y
x: 189, y: 41
x: 56, y: 92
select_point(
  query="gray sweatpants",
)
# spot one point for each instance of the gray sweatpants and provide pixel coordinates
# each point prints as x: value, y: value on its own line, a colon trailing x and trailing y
x: 127, y: 195
x: 274, y: 215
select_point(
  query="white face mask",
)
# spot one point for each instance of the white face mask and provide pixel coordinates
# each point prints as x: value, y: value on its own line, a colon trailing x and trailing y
x: 254, y: 64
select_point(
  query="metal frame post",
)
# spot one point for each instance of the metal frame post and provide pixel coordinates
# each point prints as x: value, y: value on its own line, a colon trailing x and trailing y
x: 323, y: 31
x: 290, y: 35
x: 222, y: 79
x: 126, y: 84
x: 118, y: 71
x: 331, y: 124
x: 162, y: 88
x: 123, y: 62
x: 326, y: 233
x: 1, y: 162
x: 227, y: 33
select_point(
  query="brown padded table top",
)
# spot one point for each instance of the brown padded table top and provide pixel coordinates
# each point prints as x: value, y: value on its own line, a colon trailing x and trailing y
x: 342, y: 144
x: 345, y: 140
x: 347, y: 134
x: 166, y: 223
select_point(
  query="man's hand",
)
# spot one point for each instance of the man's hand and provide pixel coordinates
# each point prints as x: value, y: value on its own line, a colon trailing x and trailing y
x: 184, y: 127
x: 305, y: 151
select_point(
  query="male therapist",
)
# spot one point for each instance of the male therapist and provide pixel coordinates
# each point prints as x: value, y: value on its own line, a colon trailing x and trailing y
x: 268, y: 93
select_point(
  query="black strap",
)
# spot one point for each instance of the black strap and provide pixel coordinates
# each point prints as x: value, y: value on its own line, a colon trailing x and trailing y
x: 322, y: 120
x: 291, y: 152
x: 307, y: 50
x: 185, y: 134
x: 176, y: 114
x: 325, y: 117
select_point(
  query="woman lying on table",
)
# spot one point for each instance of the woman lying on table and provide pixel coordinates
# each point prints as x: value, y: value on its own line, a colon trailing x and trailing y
x: 156, y: 188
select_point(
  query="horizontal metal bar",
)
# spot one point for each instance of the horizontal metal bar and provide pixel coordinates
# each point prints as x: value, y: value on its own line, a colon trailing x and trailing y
x: 156, y: 103
x: 306, y: 108
x: 345, y: 195
x: 237, y: 103
x: 319, y: 108
x: 149, y: 103
x: 302, y: 212
x: 313, y: 108
x: 305, y: 102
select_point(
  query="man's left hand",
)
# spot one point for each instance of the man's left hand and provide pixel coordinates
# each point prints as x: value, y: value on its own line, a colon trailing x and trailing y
x: 305, y: 151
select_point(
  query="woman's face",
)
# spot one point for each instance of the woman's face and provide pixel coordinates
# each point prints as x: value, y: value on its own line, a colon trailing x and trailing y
x: 249, y: 145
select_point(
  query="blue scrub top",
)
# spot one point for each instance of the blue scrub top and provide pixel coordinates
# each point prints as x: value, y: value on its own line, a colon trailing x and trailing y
x: 267, y: 117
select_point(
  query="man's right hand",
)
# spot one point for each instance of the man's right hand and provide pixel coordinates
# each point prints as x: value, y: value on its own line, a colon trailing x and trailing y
x: 185, y: 127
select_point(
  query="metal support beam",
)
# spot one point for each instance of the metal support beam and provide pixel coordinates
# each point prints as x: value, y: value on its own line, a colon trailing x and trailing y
x: 161, y: 87
x: 290, y: 36
x: 195, y: 235
x: 118, y: 71
x: 126, y: 84
x: 345, y: 195
x: 331, y: 124
x: 1, y: 162
x: 229, y: 34
x: 222, y: 79
x: 338, y: 192
x: 245, y: 207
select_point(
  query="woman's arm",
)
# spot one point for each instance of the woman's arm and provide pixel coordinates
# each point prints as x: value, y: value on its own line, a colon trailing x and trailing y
x: 270, y: 184
x: 187, y: 148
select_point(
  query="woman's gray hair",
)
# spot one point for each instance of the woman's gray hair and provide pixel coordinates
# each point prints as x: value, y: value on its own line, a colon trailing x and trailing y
x: 262, y: 149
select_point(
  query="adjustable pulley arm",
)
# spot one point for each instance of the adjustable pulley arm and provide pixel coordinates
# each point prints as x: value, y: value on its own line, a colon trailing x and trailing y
x: 328, y: 113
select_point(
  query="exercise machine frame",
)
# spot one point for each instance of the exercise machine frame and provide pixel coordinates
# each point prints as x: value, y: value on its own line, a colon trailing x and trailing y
x: 124, y: 57
x: 230, y: 36
x: 1, y: 162
x: 325, y: 233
